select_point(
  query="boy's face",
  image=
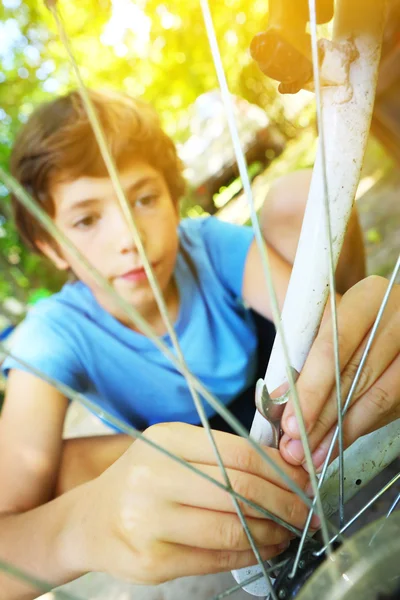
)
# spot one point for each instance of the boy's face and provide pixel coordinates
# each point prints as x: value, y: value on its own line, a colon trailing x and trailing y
x: 88, y: 213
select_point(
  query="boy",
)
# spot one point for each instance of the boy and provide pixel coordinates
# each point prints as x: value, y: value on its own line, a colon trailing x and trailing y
x: 122, y: 507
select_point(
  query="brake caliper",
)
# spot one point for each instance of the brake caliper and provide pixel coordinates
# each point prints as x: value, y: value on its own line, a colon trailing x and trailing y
x: 283, y: 51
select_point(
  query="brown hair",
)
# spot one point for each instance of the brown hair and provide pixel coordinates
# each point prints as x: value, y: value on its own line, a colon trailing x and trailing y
x: 58, y: 141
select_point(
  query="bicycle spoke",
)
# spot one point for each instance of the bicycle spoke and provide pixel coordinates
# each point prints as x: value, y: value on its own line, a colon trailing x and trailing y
x: 330, y: 258
x: 332, y: 285
x: 241, y: 162
x: 245, y: 582
x: 39, y: 584
x: 362, y: 511
x: 363, y: 360
x: 395, y: 503
x: 11, y: 276
x: 127, y: 211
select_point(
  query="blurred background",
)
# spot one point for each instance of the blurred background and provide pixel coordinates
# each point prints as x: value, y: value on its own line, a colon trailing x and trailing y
x: 160, y: 52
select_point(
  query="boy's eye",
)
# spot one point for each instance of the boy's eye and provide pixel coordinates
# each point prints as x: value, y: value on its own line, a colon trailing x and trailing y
x: 146, y: 200
x: 85, y: 222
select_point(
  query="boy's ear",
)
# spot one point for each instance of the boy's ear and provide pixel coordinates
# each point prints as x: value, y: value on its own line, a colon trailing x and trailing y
x: 51, y: 252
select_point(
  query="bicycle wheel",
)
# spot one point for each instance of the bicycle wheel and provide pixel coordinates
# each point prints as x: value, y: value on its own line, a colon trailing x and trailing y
x: 293, y: 343
x: 366, y: 566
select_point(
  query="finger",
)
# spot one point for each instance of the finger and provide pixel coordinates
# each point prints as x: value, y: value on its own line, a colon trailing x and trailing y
x: 379, y: 406
x: 319, y: 455
x: 383, y: 352
x: 317, y: 378
x: 192, y: 444
x: 180, y: 561
x: 217, y: 531
x: 192, y: 490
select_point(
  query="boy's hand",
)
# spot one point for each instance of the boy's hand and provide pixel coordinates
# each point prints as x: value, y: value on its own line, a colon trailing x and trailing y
x: 376, y: 401
x: 148, y: 519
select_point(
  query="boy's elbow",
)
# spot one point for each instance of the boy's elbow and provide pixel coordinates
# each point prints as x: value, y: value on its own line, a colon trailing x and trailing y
x: 30, y: 484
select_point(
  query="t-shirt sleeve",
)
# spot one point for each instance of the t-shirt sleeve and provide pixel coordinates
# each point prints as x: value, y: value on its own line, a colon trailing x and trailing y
x: 48, y: 349
x: 228, y: 245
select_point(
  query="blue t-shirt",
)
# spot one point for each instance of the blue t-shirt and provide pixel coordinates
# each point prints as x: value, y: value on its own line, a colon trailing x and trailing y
x: 71, y: 338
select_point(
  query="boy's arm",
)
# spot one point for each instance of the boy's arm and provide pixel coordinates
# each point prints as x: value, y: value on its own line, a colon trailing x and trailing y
x: 30, y: 445
x: 280, y: 220
x: 85, y: 458
x: 31, y: 426
x: 35, y: 544
x: 255, y: 291
x: 38, y: 535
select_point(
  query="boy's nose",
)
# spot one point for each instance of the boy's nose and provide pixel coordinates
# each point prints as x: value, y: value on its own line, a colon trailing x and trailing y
x: 124, y: 235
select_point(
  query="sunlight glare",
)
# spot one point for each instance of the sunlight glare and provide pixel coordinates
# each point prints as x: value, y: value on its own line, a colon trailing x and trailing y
x: 127, y: 16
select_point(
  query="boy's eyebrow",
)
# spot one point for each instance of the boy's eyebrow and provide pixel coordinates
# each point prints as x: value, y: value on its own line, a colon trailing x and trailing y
x: 141, y: 182
x: 130, y: 188
x: 79, y: 204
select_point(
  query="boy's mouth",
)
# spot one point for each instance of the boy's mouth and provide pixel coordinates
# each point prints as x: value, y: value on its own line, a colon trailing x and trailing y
x: 138, y: 274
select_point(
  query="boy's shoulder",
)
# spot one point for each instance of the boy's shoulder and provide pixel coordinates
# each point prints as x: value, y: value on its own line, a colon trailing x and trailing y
x: 49, y: 324
x: 192, y: 226
x: 199, y: 225
x: 73, y: 296
x: 196, y: 234
x: 44, y: 340
x: 210, y: 228
x: 217, y: 245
